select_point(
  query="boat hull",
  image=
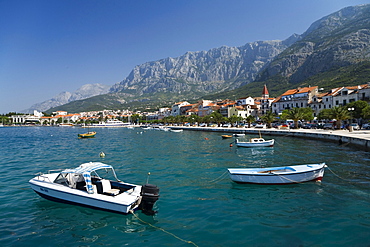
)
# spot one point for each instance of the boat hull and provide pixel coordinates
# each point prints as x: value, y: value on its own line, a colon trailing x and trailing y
x: 269, y: 143
x: 87, y: 135
x: 278, y: 175
x: 122, y: 203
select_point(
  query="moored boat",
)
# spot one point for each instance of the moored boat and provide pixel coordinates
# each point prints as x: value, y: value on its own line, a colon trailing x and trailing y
x: 65, y: 125
x: 278, y: 175
x: 111, y: 123
x: 255, y: 142
x: 176, y: 130
x: 226, y: 136
x: 95, y: 185
x: 89, y: 134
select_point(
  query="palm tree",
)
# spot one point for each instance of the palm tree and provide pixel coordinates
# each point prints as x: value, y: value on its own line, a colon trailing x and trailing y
x: 366, y: 112
x: 250, y: 119
x: 217, y: 117
x: 339, y: 113
x: 235, y: 119
x: 295, y: 114
x: 269, y: 117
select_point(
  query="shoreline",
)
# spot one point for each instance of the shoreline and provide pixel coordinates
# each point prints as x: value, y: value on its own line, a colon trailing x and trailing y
x: 358, y: 138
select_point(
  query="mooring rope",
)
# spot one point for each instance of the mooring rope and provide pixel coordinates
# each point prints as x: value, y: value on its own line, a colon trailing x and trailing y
x: 163, y: 230
x: 336, y: 174
x: 219, y: 178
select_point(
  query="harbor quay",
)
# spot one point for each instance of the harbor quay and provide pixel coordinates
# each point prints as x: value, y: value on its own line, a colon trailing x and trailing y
x: 356, y: 138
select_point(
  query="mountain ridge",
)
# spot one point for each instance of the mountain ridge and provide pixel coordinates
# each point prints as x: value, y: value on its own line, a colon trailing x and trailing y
x: 84, y: 92
x: 336, y: 43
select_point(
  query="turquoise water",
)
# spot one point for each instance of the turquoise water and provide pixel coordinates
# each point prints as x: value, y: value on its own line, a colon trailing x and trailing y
x: 198, y: 203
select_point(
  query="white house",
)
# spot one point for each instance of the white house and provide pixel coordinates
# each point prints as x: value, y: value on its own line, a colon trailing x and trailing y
x: 176, y: 108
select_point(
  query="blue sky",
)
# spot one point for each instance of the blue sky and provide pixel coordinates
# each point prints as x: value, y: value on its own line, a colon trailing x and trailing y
x: 51, y: 46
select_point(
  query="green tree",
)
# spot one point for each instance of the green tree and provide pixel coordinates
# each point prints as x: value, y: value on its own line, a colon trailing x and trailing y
x: 366, y: 112
x: 324, y: 114
x: 357, y: 106
x: 250, y: 119
x: 216, y: 117
x: 135, y: 118
x: 295, y: 114
x: 268, y: 118
x: 339, y: 113
x: 194, y: 118
x: 180, y: 119
x: 235, y: 119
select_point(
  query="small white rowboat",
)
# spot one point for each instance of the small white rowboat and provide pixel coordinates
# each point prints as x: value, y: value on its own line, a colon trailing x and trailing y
x: 278, y: 175
x: 255, y: 142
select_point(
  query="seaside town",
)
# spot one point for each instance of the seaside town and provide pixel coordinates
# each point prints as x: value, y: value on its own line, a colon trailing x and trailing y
x: 264, y: 109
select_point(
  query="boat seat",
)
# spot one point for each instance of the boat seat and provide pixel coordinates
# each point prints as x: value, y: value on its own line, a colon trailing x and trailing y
x: 107, y: 188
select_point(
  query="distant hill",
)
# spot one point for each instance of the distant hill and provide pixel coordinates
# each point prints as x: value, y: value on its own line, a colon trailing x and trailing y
x: 334, y: 51
x: 86, y: 91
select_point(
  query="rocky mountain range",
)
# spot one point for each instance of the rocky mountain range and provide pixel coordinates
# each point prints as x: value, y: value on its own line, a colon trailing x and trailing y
x: 199, y: 73
x: 338, y: 40
x: 84, y: 92
x: 332, y: 44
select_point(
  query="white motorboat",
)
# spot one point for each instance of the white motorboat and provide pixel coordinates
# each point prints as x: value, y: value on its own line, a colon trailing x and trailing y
x: 111, y: 123
x: 255, y: 142
x: 177, y: 130
x: 90, y: 185
x: 278, y: 175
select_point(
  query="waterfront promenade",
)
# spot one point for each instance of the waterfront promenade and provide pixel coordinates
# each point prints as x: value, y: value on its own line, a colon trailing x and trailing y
x: 358, y: 138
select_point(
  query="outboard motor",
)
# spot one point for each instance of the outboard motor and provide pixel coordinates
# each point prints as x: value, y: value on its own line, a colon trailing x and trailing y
x: 150, y: 194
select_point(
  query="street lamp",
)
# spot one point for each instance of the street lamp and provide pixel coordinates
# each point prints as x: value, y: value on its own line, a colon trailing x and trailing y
x: 350, y: 110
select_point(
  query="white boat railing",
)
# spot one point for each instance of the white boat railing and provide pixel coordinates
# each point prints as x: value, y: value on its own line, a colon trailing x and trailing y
x: 56, y: 170
x: 41, y: 175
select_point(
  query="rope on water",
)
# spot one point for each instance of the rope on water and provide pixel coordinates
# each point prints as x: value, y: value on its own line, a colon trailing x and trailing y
x: 163, y: 230
x: 336, y: 174
x: 219, y: 178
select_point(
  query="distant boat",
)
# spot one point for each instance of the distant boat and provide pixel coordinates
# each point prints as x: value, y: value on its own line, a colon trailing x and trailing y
x: 239, y: 134
x: 226, y: 136
x: 89, y: 134
x: 176, y: 130
x: 111, y: 123
x: 65, y: 125
x: 278, y: 175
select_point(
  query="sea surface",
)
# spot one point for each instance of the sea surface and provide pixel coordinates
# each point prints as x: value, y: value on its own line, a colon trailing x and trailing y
x: 199, y: 205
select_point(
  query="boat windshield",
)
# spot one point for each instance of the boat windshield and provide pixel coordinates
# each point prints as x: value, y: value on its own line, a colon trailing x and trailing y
x: 106, y: 173
x: 61, y: 179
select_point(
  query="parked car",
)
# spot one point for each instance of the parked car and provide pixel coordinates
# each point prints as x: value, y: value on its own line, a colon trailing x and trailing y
x: 355, y: 126
x: 366, y: 126
x: 309, y: 126
x: 228, y: 125
x: 328, y: 126
x: 260, y: 125
x: 276, y: 125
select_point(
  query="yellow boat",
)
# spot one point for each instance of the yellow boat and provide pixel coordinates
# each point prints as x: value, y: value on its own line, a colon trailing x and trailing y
x: 226, y: 136
x: 87, y: 135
